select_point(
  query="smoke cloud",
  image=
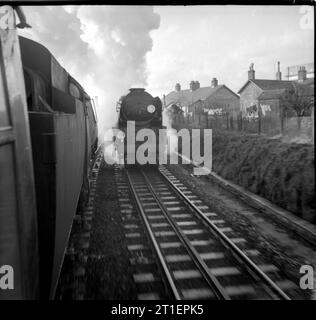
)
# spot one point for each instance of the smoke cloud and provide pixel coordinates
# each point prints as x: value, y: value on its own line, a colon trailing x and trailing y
x: 103, y: 47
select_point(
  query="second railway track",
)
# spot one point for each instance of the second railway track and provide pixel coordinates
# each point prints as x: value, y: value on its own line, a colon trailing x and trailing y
x: 198, y: 257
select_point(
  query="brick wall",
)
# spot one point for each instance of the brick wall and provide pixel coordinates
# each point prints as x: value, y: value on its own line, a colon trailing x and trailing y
x: 226, y: 100
x: 249, y: 96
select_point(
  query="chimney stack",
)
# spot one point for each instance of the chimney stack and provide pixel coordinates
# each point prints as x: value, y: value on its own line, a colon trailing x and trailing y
x: 251, y: 73
x: 302, y: 74
x: 278, y: 74
x: 178, y: 87
x: 194, y: 85
x: 214, y: 83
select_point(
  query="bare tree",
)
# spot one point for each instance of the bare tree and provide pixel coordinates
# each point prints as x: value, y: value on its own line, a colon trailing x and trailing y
x: 297, y: 101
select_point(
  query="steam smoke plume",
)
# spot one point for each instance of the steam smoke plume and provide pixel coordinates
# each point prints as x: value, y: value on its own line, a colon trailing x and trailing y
x: 103, y: 47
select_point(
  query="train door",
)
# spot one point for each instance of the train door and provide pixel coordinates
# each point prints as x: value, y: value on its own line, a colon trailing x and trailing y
x: 18, y: 231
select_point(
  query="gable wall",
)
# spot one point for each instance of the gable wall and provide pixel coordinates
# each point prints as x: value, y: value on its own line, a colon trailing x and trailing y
x: 249, y: 96
x: 225, y: 99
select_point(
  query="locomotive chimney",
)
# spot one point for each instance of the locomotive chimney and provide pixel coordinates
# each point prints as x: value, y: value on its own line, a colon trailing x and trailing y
x: 278, y: 74
x: 178, y: 87
x: 136, y: 89
x: 251, y: 72
x: 214, y: 82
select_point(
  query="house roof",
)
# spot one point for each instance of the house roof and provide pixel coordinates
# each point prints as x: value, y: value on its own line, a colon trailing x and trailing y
x: 189, y: 97
x: 271, y: 94
x: 276, y: 94
x: 266, y: 84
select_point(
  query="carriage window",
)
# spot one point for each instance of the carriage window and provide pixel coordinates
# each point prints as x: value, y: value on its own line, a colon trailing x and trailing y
x: 40, y: 90
x: 28, y: 90
x: 74, y: 90
x: 35, y: 90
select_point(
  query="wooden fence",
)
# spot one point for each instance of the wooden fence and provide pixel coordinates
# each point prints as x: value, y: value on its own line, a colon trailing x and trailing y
x: 270, y: 126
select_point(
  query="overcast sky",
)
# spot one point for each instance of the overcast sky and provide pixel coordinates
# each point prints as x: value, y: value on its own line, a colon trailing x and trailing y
x: 111, y: 48
x: 198, y: 43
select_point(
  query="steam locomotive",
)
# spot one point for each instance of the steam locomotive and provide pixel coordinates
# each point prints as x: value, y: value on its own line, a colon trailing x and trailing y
x: 48, y: 135
x: 144, y: 112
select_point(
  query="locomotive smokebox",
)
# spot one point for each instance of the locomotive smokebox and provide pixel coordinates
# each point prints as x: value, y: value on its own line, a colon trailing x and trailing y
x: 139, y: 105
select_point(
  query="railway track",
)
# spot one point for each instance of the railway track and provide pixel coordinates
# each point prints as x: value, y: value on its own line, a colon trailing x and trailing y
x: 198, y: 257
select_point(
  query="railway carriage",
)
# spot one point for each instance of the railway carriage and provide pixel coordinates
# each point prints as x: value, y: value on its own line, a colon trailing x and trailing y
x: 47, y: 140
x: 18, y: 225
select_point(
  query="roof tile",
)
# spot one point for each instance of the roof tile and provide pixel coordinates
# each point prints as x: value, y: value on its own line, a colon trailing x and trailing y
x: 266, y: 84
x: 189, y: 97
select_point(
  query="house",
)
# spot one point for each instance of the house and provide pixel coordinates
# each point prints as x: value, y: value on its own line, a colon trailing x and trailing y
x: 266, y: 92
x: 263, y: 88
x: 265, y: 98
x: 271, y: 101
x: 196, y: 99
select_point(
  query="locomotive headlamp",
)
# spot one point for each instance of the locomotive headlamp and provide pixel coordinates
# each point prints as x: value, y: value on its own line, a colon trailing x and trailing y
x: 151, y: 108
x: 121, y: 135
